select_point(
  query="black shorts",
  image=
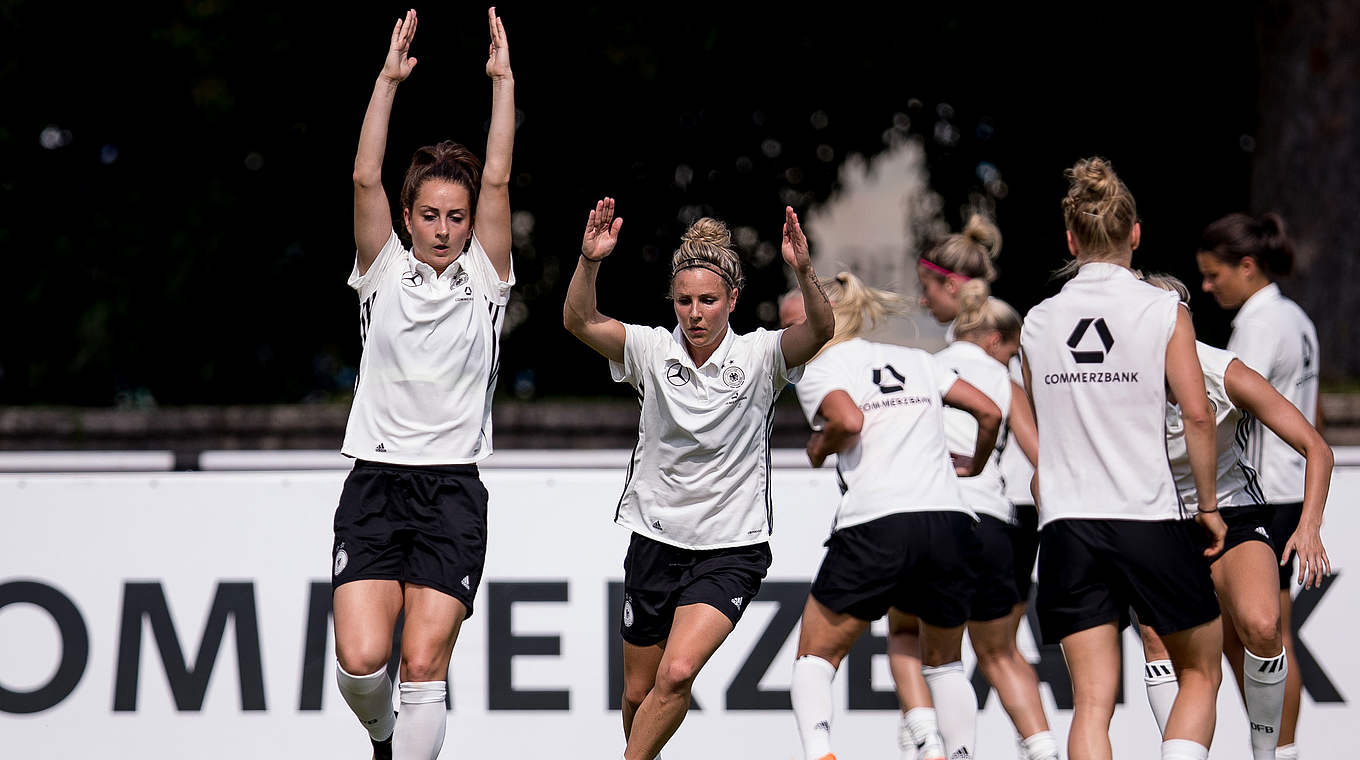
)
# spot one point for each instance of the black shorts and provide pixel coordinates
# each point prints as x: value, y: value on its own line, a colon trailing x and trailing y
x: 1282, y: 526
x: 1025, y: 545
x: 1092, y: 571
x: 1247, y: 523
x: 659, y: 577
x: 423, y: 525
x: 922, y: 563
x: 996, y: 588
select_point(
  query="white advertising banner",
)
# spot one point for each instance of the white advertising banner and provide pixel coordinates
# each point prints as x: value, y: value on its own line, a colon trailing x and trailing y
x: 173, y: 615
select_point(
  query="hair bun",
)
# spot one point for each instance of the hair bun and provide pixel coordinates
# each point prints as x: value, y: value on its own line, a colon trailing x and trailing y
x: 708, y: 231
x: 973, y: 295
x: 985, y: 233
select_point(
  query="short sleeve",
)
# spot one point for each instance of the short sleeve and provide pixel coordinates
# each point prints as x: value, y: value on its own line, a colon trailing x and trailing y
x: 638, y: 345
x: 1257, y: 344
x: 821, y: 377
x: 479, y: 265
x: 783, y: 373
x: 367, y: 282
x: 944, y: 377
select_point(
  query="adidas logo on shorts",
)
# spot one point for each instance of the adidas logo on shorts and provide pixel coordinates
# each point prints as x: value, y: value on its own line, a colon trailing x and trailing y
x: 467, y: 583
x: 1262, y: 530
x: 736, y: 601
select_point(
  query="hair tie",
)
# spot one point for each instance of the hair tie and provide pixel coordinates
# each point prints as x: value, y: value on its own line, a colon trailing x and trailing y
x: 698, y: 263
x: 941, y: 270
x: 1088, y: 213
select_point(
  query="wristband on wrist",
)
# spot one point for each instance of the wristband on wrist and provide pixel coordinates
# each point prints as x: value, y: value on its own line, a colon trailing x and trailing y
x: 1207, y: 511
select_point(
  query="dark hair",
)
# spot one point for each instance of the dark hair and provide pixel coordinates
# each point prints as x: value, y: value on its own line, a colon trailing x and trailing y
x: 1239, y: 236
x: 448, y: 161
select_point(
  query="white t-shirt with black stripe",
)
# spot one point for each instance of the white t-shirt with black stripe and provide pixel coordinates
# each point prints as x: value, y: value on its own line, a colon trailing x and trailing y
x: 1237, y: 483
x: 1097, y: 360
x: 984, y: 492
x: 901, y: 461
x: 1273, y: 336
x: 699, y: 477
x: 430, y: 359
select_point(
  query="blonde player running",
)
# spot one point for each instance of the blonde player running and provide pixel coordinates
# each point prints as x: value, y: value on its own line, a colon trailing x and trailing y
x: 1098, y: 360
x: 1241, y: 257
x: 697, y: 497
x: 410, y: 529
x: 1246, y: 573
x: 904, y: 536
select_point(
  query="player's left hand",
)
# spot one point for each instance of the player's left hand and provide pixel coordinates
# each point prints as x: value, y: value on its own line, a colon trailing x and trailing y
x: 1313, y: 561
x: 498, y: 58
x: 794, y: 244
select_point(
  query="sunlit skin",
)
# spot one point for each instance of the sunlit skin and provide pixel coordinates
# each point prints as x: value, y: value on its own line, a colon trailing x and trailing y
x: 1230, y: 284
x: 440, y: 222
x: 703, y: 304
x: 939, y: 294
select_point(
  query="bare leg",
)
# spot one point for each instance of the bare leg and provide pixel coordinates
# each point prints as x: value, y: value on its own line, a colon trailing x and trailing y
x: 639, y: 674
x: 433, y: 620
x: 1093, y: 661
x: 365, y: 614
x: 904, y: 660
x: 1196, y: 654
x: 1008, y: 671
x: 823, y: 641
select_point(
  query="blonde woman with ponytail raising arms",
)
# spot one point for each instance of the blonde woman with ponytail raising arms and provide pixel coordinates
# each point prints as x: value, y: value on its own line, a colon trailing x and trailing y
x: 903, y: 535
x: 697, y: 496
x: 1099, y: 358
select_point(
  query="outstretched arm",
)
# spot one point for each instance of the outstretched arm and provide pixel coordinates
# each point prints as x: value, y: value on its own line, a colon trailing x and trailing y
x: 1253, y: 393
x: 372, y: 215
x: 802, y: 341
x: 579, y: 314
x: 492, y: 224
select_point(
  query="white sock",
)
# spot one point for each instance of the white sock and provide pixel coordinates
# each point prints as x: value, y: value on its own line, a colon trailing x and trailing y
x: 1041, y: 746
x: 1287, y: 752
x: 955, y: 708
x: 370, y: 697
x: 920, y: 735
x: 1263, y: 691
x: 810, y: 693
x: 1184, y: 749
x: 420, y: 732
x: 1160, y: 679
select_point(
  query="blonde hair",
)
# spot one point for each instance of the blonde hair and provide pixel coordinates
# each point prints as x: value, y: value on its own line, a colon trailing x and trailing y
x: 969, y: 253
x: 707, y: 244
x: 1168, y: 282
x: 1099, y: 209
x: 979, y: 313
x: 858, y: 307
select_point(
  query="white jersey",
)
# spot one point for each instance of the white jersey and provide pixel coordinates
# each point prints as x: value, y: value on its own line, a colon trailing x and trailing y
x: 1097, y: 360
x: 431, y: 349
x: 1237, y: 484
x: 1273, y: 336
x: 984, y: 492
x: 1016, y: 470
x: 699, y: 477
x: 901, y: 461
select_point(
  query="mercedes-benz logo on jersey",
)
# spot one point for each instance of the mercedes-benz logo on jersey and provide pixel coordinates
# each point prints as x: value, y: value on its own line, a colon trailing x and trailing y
x: 1088, y: 356
x: 734, y: 377
x: 1307, y: 353
x: 412, y: 279
x: 888, y: 387
x: 677, y: 374
x: 460, y: 280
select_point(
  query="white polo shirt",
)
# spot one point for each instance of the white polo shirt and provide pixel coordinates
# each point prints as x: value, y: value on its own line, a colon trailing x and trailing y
x: 984, y: 492
x: 1097, y: 360
x: 699, y: 477
x: 901, y: 461
x: 1273, y: 336
x: 431, y: 350
x: 1237, y: 484
x: 1016, y: 470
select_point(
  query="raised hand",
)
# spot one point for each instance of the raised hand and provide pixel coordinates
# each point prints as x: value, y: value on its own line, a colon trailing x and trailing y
x: 399, y: 61
x: 795, y: 244
x: 498, y: 58
x: 602, y: 231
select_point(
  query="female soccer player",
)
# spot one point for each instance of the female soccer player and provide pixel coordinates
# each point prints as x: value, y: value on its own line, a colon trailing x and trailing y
x: 903, y: 535
x: 1241, y: 257
x: 697, y: 496
x: 1246, y: 573
x: 410, y: 530
x: 1098, y: 359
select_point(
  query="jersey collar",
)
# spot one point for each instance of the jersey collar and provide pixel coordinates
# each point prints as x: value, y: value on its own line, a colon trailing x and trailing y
x: 1259, y: 301
x: 414, y: 264
x: 1103, y: 270
x: 677, y: 349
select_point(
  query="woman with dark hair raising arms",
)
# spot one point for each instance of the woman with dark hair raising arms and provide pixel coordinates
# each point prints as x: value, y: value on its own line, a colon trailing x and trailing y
x: 410, y: 530
x: 697, y: 496
x: 1241, y: 257
x: 1099, y: 358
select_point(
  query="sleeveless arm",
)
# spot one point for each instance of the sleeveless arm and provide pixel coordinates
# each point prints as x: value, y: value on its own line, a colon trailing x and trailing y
x: 1185, y: 377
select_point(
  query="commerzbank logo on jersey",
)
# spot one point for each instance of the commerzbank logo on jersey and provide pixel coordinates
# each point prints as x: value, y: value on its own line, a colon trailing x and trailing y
x: 1090, y: 343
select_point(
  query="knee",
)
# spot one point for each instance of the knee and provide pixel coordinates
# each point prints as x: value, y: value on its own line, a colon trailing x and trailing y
x: 1261, y: 635
x: 424, y: 664
x: 634, y: 692
x: 676, y: 675
x: 363, y: 658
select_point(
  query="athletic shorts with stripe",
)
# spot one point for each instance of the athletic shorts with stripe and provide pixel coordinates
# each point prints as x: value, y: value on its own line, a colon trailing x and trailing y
x: 922, y: 563
x: 1092, y: 571
x: 424, y: 525
x: 1247, y: 523
x: 657, y: 578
